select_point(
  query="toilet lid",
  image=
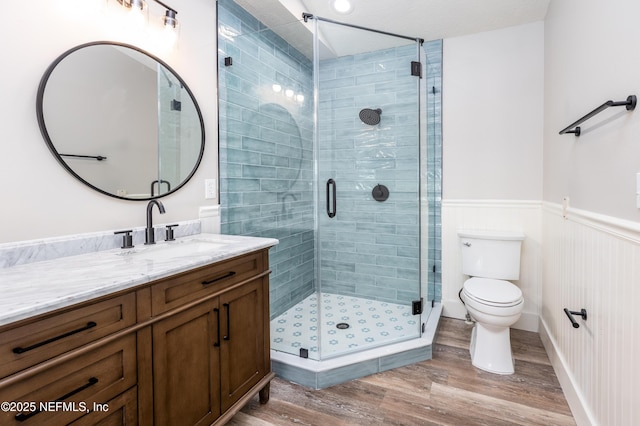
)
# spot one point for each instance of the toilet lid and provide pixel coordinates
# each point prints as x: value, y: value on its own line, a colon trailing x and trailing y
x: 493, y: 292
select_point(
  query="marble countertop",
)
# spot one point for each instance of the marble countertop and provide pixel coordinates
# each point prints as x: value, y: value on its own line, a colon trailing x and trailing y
x: 35, y: 288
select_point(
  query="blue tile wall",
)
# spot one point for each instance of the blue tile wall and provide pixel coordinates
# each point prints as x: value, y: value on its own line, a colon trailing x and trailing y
x: 266, y: 155
x: 370, y: 248
x: 267, y: 163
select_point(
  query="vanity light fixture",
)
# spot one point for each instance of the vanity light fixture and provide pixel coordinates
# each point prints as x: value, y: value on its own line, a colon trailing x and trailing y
x: 170, y: 30
x: 169, y: 19
x: 139, y: 13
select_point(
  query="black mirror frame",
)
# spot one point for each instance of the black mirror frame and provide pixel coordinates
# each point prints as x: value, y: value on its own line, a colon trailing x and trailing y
x: 49, y: 142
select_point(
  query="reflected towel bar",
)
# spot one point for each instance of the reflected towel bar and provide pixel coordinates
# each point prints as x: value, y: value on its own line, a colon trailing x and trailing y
x: 630, y: 103
x: 97, y: 157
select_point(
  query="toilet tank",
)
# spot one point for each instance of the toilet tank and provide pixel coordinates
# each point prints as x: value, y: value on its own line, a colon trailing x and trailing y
x: 491, y: 254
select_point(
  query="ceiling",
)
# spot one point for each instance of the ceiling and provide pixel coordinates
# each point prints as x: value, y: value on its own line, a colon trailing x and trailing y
x: 426, y: 19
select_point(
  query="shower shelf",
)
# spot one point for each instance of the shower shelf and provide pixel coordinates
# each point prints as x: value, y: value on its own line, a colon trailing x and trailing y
x: 630, y: 103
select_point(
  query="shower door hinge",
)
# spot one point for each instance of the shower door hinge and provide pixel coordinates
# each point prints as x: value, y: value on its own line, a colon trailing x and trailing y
x: 416, y: 69
x: 228, y: 61
x: 416, y: 307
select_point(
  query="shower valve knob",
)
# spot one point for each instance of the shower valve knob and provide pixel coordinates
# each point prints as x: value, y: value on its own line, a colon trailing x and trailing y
x: 380, y: 193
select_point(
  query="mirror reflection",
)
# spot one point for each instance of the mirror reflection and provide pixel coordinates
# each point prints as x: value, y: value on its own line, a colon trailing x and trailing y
x: 120, y: 120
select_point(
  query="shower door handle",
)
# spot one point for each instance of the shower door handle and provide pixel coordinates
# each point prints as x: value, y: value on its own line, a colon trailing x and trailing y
x: 331, y: 198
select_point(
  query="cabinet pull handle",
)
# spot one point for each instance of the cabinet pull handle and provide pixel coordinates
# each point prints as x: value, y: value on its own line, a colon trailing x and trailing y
x: 20, y: 350
x: 228, y: 309
x: 217, y: 311
x: 225, y: 276
x: 21, y: 417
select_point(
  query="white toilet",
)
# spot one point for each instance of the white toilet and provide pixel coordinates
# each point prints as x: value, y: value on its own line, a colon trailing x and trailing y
x: 490, y: 258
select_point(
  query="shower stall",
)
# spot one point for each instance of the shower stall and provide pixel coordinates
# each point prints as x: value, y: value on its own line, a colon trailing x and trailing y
x: 323, y: 140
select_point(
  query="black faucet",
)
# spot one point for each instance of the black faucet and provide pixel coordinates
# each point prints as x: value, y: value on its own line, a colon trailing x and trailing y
x: 149, y: 235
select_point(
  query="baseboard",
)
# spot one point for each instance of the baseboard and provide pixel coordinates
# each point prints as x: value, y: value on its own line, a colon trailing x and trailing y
x: 527, y: 322
x: 579, y: 409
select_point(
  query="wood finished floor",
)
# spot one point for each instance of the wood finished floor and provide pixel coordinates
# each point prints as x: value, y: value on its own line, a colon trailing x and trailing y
x: 446, y: 390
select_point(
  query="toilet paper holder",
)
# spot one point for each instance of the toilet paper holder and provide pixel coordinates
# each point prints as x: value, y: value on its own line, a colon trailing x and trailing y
x: 570, y: 314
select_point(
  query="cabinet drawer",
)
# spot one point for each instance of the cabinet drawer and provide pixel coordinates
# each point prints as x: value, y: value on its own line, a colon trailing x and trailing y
x: 27, y: 345
x: 196, y: 284
x: 67, y: 391
x: 120, y: 411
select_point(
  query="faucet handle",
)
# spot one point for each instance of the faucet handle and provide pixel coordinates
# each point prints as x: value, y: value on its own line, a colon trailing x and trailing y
x: 169, y: 232
x: 127, y: 239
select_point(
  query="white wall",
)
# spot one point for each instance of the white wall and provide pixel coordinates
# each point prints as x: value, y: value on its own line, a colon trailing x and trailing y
x: 591, y: 254
x: 592, y: 261
x: 39, y: 198
x: 591, y: 56
x: 492, y: 100
x: 492, y: 151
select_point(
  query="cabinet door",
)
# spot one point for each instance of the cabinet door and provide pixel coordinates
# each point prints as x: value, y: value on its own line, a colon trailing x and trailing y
x: 243, y: 361
x: 186, y: 367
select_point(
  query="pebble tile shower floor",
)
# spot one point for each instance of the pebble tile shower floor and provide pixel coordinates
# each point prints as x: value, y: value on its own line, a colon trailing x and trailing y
x: 371, y: 323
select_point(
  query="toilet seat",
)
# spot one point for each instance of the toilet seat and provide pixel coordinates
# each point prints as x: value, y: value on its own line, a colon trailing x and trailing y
x: 490, y: 292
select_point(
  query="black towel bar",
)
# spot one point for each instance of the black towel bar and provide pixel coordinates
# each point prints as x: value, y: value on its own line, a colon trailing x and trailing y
x: 630, y: 104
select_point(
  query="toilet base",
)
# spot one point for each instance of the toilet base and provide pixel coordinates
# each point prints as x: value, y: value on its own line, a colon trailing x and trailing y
x: 490, y: 349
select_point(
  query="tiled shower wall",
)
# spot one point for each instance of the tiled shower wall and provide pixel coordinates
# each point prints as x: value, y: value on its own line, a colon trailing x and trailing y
x: 370, y: 248
x: 266, y: 171
x: 266, y: 157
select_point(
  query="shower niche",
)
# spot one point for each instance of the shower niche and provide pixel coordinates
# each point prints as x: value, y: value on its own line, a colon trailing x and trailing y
x: 336, y: 172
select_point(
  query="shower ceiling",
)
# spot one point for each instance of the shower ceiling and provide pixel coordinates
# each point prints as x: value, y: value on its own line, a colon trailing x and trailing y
x: 427, y: 19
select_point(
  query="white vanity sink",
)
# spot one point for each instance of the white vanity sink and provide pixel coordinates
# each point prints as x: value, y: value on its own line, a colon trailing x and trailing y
x: 180, y: 248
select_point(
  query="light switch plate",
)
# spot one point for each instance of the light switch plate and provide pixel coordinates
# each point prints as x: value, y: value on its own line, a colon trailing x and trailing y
x: 210, y: 189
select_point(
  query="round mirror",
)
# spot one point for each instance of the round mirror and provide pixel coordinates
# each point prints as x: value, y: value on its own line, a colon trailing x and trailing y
x: 120, y: 120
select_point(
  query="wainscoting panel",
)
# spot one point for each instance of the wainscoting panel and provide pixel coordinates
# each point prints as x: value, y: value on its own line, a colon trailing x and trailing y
x: 498, y: 215
x: 593, y: 262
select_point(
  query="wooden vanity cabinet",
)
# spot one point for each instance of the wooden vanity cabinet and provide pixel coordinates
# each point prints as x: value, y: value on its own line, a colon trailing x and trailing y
x: 190, y: 349
x: 223, y: 341
x: 244, y: 351
x: 186, y: 368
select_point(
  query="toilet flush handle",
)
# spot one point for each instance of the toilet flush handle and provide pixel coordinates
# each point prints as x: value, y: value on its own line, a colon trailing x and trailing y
x: 467, y: 243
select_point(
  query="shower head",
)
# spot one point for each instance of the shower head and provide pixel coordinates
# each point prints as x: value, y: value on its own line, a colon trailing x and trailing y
x: 370, y: 116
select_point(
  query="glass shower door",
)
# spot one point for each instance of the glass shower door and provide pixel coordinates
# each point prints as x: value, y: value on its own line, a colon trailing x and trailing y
x: 368, y: 188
